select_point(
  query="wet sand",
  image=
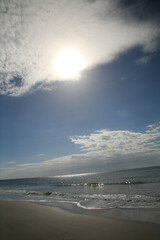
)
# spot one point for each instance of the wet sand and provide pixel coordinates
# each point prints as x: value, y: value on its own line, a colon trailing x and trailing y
x: 29, y: 221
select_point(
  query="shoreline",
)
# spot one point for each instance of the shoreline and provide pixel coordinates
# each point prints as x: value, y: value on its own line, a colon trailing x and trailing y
x: 145, y: 215
x: 26, y: 220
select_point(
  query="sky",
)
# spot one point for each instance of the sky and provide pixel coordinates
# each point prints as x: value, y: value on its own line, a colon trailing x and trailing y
x: 108, y: 116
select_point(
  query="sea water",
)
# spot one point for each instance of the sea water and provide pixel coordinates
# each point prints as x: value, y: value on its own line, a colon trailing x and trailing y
x: 134, y: 188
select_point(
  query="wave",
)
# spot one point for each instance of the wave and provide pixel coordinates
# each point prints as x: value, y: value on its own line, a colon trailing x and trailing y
x: 107, y: 197
x: 86, y: 201
x: 91, y: 184
x: 94, y: 184
x: 110, y: 201
x: 13, y: 191
x: 100, y: 184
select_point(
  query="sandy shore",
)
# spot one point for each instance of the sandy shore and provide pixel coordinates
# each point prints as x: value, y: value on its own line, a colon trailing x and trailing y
x: 28, y: 221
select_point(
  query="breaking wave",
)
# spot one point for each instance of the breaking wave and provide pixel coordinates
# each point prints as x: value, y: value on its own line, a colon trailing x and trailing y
x: 88, y: 201
x: 99, y: 184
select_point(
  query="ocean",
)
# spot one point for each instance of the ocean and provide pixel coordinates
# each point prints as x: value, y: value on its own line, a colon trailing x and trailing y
x: 134, y: 188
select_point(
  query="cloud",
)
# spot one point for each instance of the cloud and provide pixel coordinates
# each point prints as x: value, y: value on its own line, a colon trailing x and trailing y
x: 124, y: 142
x: 33, y: 32
x: 11, y: 162
x: 153, y: 128
x: 102, y: 150
x: 40, y: 155
x: 143, y: 60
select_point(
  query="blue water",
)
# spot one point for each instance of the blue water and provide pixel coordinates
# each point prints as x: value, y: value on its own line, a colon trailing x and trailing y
x: 136, y: 188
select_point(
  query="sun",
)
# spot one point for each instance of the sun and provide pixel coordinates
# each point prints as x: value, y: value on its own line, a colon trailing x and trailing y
x: 68, y: 64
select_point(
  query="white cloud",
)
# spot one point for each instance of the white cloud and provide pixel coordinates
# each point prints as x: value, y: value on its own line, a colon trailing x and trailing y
x: 40, y: 155
x: 153, y: 128
x: 11, y: 162
x: 124, y: 142
x: 33, y: 31
x: 104, y: 150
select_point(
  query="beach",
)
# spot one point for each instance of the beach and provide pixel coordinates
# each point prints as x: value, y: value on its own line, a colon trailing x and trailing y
x: 25, y: 220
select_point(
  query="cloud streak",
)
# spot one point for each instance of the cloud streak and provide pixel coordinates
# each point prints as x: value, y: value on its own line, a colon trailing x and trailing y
x: 33, y: 32
x: 11, y: 162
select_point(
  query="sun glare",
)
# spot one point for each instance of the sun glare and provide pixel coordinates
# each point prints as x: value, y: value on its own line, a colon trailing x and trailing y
x: 68, y: 64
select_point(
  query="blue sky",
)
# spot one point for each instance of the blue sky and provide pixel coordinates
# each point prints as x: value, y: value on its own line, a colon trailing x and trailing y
x: 109, y: 119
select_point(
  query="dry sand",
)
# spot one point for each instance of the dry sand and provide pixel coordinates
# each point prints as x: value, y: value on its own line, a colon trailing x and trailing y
x: 28, y: 221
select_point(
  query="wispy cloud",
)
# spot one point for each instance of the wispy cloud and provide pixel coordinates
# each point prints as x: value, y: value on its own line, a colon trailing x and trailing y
x: 102, y: 150
x: 32, y: 33
x: 143, y: 60
x: 153, y: 128
x: 11, y: 162
x: 40, y: 155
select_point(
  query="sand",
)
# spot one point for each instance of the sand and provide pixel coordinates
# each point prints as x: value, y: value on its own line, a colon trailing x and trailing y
x: 29, y: 221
